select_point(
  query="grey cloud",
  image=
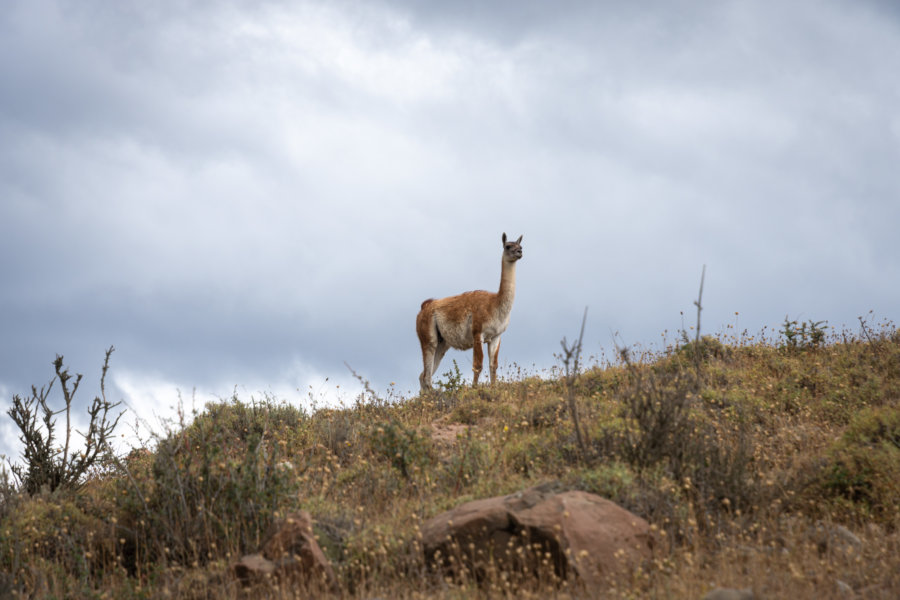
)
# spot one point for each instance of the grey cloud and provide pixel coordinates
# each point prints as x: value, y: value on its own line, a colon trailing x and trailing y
x: 223, y: 191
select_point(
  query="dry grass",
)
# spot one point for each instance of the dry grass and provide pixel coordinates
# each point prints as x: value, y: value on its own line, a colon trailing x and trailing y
x: 746, y: 463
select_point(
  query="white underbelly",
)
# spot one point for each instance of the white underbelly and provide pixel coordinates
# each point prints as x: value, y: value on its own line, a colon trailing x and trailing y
x: 459, y: 335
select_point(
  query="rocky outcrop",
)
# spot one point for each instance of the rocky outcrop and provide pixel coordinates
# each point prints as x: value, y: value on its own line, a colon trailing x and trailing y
x: 289, y: 551
x: 574, y: 532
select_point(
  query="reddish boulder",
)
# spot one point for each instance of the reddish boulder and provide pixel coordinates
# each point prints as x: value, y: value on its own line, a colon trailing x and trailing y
x: 574, y: 532
x: 289, y: 551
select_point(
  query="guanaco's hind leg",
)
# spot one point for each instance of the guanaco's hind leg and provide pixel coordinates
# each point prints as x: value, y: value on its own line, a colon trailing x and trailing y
x: 428, y: 338
x: 493, y: 357
x: 427, y: 362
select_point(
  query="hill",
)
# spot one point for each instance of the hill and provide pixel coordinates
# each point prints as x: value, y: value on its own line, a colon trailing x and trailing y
x: 764, y: 464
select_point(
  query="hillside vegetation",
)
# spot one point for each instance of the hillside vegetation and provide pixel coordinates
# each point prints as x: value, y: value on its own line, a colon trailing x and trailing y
x: 745, y: 454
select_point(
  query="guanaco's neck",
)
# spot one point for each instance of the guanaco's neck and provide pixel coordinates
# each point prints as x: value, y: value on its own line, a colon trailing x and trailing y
x: 507, y: 285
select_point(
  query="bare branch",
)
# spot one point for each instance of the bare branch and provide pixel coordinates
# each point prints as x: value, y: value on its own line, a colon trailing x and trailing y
x: 43, y: 465
x: 698, y: 305
x: 570, y: 357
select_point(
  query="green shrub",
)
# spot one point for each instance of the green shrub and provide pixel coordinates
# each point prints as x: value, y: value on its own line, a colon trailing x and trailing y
x: 706, y: 348
x: 612, y: 480
x: 406, y: 449
x: 864, y: 465
x: 452, y: 382
x: 803, y: 336
x: 541, y: 414
x: 337, y: 430
x: 668, y: 430
x: 529, y: 453
x: 466, y: 464
x: 214, y: 486
x: 471, y: 408
x: 58, y: 530
x: 655, y: 407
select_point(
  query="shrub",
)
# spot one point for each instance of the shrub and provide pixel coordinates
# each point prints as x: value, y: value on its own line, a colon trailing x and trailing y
x: 466, y: 464
x: 527, y: 453
x: 58, y: 530
x: 541, y: 414
x: 452, y: 382
x: 336, y: 430
x: 45, y: 464
x: 612, y: 480
x: 9, y: 499
x: 215, y: 486
x: 470, y: 409
x: 864, y: 465
x: 655, y: 405
x: 405, y: 448
x: 705, y: 348
x: 665, y: 431
x: 803, y: 336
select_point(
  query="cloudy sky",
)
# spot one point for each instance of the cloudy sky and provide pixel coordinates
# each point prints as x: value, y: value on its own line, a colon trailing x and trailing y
x: 244, y: 195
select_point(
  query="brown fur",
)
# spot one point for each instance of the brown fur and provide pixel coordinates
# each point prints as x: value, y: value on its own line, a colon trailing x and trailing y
x: 468, y: 320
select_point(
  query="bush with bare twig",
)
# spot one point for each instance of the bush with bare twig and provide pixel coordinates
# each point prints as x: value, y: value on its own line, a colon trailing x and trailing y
x: 45, y: 463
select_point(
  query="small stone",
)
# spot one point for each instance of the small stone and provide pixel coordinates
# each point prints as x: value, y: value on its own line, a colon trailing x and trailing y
x: 833, y: 538
x: 846, y: 536
x: 253, y: 567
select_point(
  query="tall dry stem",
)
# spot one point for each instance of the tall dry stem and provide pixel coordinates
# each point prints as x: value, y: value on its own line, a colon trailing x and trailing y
x: 570, y: 357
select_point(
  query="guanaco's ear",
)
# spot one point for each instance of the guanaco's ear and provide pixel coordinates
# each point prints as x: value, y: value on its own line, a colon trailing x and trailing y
x: 504, y: 238
x: 519, y: 241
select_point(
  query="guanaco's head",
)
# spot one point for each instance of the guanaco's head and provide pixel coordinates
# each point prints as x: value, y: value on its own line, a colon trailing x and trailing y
x: 512, y: 251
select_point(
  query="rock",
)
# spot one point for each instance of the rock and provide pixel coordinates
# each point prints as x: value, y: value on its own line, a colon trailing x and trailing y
x: 729, y: 594
x: 289, y: 551
x: 576, y: 531
x: 833, y: 538
x: 843, y: 589
x: 253, y: 568
x: 845, y: 537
